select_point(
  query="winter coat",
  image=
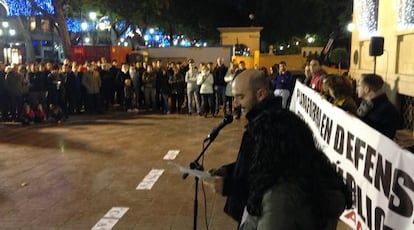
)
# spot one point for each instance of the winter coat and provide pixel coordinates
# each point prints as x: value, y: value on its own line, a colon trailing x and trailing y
x: 205, y: 80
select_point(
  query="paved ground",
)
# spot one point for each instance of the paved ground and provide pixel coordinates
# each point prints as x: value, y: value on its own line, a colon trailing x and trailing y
x: 69, y: 176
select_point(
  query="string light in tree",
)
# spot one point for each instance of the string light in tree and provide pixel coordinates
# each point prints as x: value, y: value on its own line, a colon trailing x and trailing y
x: 24, y: 7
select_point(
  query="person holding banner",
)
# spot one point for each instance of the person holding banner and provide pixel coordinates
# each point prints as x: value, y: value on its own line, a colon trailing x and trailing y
x: 339, y: 91
x: 280, y: 179
x: 375, y: 108
x: 318, y: 74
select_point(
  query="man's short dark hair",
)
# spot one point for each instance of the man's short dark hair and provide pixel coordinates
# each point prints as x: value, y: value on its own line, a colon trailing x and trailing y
x: 372, y: 81
x: 315, y: 59
x: 55, y: 67
x: 259, y: 80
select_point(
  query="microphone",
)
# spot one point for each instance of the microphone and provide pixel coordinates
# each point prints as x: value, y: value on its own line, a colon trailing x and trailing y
x: 227, y: 120
x: 195, y: 165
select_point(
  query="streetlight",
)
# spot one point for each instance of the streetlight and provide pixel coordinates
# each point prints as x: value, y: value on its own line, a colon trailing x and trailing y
x: 251, y: 18
x: 84, y: 27
x: 12, y: 32
x: 92, y: 16
x: 7, y: 32
x: 350, y: 27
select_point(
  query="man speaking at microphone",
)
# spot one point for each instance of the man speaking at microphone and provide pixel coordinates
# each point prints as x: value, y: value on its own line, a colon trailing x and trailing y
x: 251, y: 91
x: 280, y: 179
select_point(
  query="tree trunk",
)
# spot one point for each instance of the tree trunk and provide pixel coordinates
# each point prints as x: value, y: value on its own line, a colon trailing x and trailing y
x: 62, y: 27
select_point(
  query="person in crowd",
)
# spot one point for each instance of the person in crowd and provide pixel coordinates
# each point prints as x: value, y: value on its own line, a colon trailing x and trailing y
x: 241, y: 68
x: 219, y: 73
x: 282, y: 184
x: 192, y: 88
x: 14, y: 85
x: 37, y: 85
x: 67, y: 62
x: 159, y: 70
x: 317, y: 74
x: 264, y: 70
x: 56, y: 113
x: 375, y: 108
x: 129, y: 94
x: 71, y: 85
x: 165, y: 91
x: 149, y: 79
x: 308, y: 74
x: 56, y: 92
x: 27, y: 115
x: 138, y: 85
x: 177, y: 83
x: 40, y: 114
x: 229, y: 95
x: 339, y: 92
x: 136, y: 79
x: 283, y: 83
x: 91, y: 80
x: 3, y: 92
x: 22, y: 70
x: 133, y: 74
x: 325, y: 94
x: 274, y: 69
x: 114, y: 72
x: 120, y: 84
x: 107, y: 87
x: 78, y: 88
x: 206, y: 80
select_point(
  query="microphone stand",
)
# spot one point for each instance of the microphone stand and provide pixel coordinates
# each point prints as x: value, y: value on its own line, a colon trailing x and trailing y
x: 196, y: 165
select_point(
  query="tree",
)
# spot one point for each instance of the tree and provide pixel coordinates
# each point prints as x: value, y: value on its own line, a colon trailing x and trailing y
x: 339, y: 56
x: 128, y: 14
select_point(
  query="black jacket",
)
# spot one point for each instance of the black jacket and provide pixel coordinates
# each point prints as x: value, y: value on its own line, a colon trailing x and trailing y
x: 236, y: 174
x: 382, y: 116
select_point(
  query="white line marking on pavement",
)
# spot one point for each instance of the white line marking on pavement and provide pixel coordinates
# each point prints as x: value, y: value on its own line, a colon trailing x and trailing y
x: 150, y: 179
x: 171, y: 154
x: 110, y: 219
x: 116, y: 212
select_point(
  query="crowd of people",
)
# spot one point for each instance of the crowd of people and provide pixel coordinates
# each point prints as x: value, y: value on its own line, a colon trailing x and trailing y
x: 365, y: 98
x: 38, y: 92
x: 60, y: 90
x: 280, y: 180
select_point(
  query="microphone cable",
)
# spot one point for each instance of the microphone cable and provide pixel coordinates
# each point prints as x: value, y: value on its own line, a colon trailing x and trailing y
x: 204, y: 192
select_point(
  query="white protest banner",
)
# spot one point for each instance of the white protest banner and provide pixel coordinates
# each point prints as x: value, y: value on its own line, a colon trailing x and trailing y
x: 379, y: 171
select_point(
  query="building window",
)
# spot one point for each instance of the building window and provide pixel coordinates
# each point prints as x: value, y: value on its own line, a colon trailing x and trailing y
x: 32, y: 24
x: 45, y: 25
x: 367, y: 17
x: 405, y: 14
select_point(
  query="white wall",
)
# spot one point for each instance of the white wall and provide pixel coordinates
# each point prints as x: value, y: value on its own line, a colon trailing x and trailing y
x: 205, y: 54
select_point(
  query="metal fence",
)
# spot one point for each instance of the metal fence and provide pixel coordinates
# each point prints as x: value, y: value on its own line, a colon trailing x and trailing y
x: 407, y: 112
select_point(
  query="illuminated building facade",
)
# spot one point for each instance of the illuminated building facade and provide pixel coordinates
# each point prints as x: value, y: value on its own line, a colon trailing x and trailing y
x: 394, y: 21
x: 19, y: 17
